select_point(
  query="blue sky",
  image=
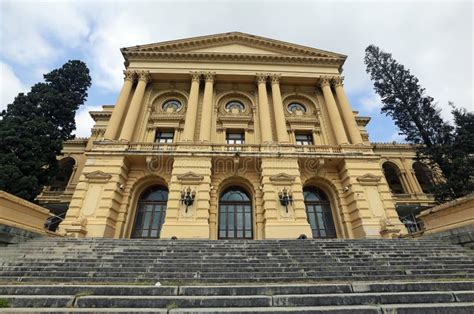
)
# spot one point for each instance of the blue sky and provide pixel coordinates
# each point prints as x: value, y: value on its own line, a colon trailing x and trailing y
x: 433, y: 39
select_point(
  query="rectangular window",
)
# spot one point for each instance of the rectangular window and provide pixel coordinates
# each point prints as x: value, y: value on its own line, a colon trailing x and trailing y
x: 235, y: 138
x: 304, y: 139
x: 164, y: 137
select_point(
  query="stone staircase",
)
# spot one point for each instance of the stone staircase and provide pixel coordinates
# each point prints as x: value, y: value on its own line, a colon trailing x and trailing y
x: 297, y: 276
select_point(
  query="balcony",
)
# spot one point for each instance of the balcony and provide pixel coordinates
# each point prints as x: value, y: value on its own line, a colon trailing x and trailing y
x: 204, y: 149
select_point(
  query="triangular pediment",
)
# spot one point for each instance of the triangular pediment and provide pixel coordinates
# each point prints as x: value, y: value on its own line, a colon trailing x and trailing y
x: 190, y: 176
x: 282, y: 177
x: 235, y: 48
x: 227, y: 44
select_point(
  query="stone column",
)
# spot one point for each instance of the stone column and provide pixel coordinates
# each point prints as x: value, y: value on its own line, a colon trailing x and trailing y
x: 280, y: 121
x: 334, y: 116
x: 135, y: 105
x: 347, y: 114
x: 263, y: 110
x: 120, y: 106
x: 206, y: 116
x: 191, y: 112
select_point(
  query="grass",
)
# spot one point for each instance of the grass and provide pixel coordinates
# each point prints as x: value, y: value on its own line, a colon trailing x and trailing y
x: 4, y: 303
x: 172, y: 306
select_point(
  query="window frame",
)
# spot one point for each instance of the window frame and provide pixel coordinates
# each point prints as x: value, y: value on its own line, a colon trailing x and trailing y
x: 309, y: 139
x: 159, y: 139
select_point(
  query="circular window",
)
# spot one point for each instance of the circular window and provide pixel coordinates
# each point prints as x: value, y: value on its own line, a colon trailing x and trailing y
x: 296, y: 108
x: 172, y: 105
x: 234, y: 106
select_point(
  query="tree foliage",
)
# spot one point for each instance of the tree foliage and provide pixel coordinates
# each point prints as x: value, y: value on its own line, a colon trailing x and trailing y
x: 34, y: 126
x: 418, y: 118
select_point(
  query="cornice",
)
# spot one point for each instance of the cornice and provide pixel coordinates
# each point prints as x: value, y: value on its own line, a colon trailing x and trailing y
x: 233, y: 37
x: 232, y: 58
x: 100, y: 115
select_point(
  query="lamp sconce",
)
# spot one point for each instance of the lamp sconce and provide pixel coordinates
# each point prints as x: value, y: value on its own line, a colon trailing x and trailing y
x: 285, y: 198
x: 187, y: 197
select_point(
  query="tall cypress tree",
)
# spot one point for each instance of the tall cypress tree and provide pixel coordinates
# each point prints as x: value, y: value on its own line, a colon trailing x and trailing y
x: 419, y: 119
x: 34, y: 126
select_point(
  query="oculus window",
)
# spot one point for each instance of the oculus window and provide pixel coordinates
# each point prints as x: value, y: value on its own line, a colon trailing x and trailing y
x: 296, y: 108
x: 172, y: 105
x: 234, y: 106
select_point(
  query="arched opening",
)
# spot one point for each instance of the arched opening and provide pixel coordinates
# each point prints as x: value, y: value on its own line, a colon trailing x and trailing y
x: 391, y: 172
x: 318, y: 211
x: 235, y: 214
x: 424, y: 176
x: 150, y: 213
x: 66, y: 167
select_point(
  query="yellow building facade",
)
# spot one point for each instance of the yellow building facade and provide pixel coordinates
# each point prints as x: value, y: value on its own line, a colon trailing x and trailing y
x: 234, y: 136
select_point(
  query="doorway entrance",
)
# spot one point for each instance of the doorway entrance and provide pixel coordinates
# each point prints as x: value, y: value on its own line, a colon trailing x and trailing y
x: 151, y: 212
x: 235, y: 214
x: 318, y: 210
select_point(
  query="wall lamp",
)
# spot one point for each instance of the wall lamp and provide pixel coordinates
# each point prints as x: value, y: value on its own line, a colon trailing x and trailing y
x: 285, y: 198
x: 187, y: 197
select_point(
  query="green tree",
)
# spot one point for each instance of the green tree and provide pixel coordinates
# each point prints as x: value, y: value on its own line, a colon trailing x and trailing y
x: 418, y: 118
x: 34, y: 126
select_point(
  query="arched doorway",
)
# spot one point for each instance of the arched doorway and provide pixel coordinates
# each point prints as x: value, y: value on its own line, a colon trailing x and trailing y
x: 150, y: 213
x: 318, y: 211
x: 235, y: 214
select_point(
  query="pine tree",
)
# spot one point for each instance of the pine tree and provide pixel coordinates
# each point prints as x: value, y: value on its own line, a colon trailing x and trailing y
x: 418, y: 118
x: 34, y: 126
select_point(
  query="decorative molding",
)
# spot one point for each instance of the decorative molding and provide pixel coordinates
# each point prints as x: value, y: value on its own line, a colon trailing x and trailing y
x: 98, y: 176
x: 369, y: 179
x: 190, y: 177
x: 338, y: 80
x: 144, y: 76
x: 261, y: 78
x: 275, y: 78
x: 195, y: 76
x: 209, y: 76
x: 324, y: 81
x: 129, y: 75
x: 282, y: 178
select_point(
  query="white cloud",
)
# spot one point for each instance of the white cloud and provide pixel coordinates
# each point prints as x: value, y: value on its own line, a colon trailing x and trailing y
x: 371, y: 102
x: 84, y: 121
x: 38, y: 32
x: 10, y: 85
x: 433, y: 39
x: 396, y: 137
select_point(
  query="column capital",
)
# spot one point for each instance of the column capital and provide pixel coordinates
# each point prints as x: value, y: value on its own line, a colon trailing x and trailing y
x: 209, y: 76
x: 261, y: 78
x: 338, y: 80
x: 275, y: 78
x: 195, y: 76
x: 144, y: 76
x: 324, y: 81
x: 129, y: 75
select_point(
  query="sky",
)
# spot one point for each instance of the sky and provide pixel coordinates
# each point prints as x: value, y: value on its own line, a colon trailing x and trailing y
x: 434, y: 39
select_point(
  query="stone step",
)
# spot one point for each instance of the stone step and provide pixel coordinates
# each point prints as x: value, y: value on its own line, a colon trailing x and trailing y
x: 336, y: 299
x: 230, y: 290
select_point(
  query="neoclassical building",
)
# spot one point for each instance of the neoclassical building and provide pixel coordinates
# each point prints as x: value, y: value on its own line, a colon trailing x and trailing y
x: 234, y: 136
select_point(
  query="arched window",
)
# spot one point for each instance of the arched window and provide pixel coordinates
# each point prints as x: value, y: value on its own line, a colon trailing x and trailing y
x: 318, y: 210
x: 151, y: 212
x: 172, y: 105
x: 424, y: 176
x: 296, y: 108
x: 391, y: 172
x: 234, y: 106
x: 66, y: 166
x: 235, y: 214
